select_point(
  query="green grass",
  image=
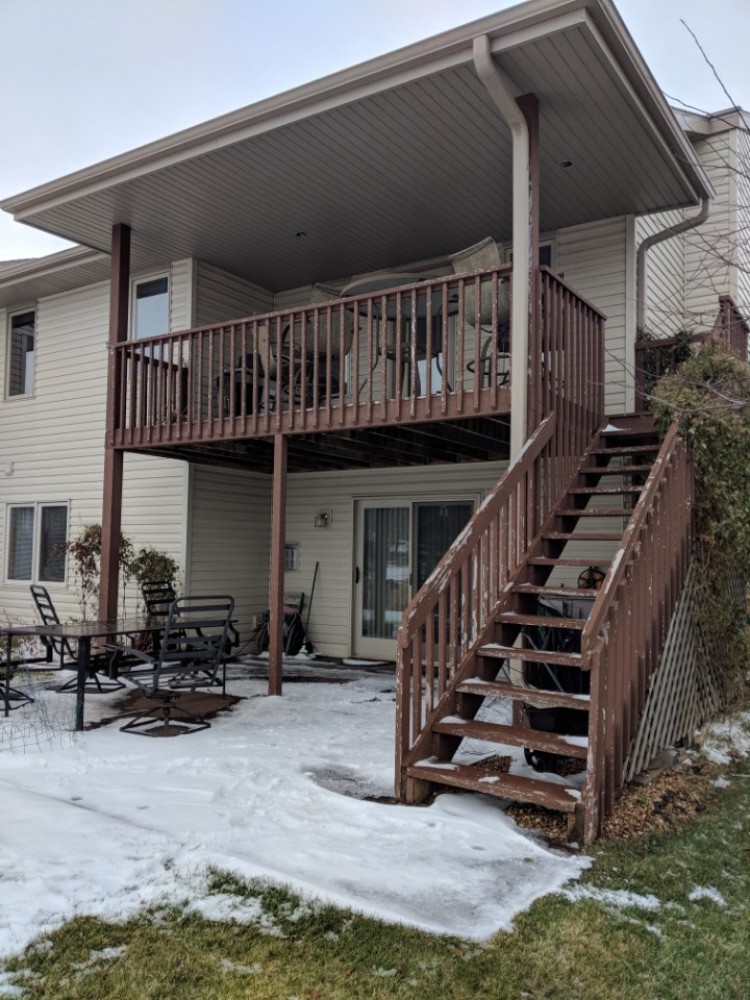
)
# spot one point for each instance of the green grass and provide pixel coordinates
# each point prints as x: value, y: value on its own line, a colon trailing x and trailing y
x: 586, y: 948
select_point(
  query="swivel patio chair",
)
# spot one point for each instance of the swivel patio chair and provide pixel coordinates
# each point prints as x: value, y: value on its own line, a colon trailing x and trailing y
x: 158, y: 596
x: 192, y: 654
x: 67, y: 657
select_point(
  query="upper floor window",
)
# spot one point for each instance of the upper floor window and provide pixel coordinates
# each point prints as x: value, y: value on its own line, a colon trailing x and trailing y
x: 35, y: 534
x: 21, y: 353
x: 150, y: 315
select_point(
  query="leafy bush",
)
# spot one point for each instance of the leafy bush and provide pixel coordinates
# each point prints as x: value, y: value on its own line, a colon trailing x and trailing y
x: 710, y: 395
x: 85, y: 553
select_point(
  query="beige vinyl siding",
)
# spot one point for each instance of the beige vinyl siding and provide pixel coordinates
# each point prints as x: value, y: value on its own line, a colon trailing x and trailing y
x: 665, y: 274
x: 181, y: 285
x: 742, y: 140
x: 52, y: 444
x: 592, y: 259
x: 332, y: 611
x: 710, y: 250
x: 221, y: 296
x: 230, y: 538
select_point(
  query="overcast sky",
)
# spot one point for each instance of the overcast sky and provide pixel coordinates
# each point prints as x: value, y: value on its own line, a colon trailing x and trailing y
x: 82, y: 80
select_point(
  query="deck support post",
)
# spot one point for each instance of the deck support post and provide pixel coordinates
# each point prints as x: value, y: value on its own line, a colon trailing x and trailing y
x: 119, y: 294
x: 278, y: 533
x: 521, y: 116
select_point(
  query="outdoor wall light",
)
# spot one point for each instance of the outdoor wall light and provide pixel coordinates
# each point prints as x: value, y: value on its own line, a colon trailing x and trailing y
x: 323, y: 519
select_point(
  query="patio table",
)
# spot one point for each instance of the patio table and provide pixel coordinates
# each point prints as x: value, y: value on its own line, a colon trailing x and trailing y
x: 82, y: 633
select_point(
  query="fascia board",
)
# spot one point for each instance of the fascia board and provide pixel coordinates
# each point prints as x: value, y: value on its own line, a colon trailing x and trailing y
x: 617, y: 42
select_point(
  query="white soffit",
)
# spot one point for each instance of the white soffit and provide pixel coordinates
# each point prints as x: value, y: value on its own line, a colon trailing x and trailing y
x: 28, y: 280
x: 403, y: 158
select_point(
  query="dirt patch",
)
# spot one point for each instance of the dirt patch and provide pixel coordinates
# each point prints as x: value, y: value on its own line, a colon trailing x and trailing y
x: 666, y: 801
x: 203, y: 703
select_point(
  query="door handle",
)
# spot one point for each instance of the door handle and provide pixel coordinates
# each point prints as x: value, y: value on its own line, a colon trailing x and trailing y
x: 356, y: 574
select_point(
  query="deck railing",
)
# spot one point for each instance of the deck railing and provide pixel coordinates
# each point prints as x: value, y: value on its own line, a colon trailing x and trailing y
x: 455, y: 610
x: 426, y: 350
x: 656, y: 358
x: 626, y: 630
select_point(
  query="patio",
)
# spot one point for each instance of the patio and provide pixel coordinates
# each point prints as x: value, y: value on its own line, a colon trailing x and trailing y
x: 269, y: 791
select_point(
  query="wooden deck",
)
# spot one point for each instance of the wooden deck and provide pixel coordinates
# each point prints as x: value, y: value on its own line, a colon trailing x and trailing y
x: 410, y: 374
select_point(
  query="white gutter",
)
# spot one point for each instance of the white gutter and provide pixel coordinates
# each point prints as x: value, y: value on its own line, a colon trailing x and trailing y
x: 650, y: 241
x: 503, y: 92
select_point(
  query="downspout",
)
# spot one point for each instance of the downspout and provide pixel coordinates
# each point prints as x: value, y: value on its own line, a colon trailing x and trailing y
x: 503, y: 93
x: 650, y: 241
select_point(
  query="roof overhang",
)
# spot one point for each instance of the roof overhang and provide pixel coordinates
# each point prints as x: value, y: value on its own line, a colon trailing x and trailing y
x: 402, y: 158
x: 27, y: 280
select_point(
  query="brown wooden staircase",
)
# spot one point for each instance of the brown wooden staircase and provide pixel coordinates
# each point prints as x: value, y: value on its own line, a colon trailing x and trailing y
x: 557, y: 674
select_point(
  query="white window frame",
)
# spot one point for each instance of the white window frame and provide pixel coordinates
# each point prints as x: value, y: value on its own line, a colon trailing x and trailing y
x: 134, y: 285
x: 36, y: 546
x: 31, y: 308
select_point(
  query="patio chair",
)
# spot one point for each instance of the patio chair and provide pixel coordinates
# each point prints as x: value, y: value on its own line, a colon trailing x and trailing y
x: 310, y: 365
x: 158, y: 596
x: 67, y: 656
x: 478, y: 257
x: 184, y: 663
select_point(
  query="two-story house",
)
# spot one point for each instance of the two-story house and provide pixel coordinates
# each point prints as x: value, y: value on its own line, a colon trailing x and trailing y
x: 319, y: 336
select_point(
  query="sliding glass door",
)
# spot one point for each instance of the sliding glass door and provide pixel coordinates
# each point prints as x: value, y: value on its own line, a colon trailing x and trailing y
x: 399, y: 543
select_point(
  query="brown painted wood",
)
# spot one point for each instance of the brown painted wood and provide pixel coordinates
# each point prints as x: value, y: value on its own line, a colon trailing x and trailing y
x: 507, y: 786
x: 529, y: 695
x: 119, y: 298
x: 498, y: 651
x: 278, y: 535
x: 514, y: 736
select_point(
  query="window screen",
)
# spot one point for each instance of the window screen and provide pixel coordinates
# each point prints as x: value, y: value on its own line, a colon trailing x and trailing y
x: 54, y: 532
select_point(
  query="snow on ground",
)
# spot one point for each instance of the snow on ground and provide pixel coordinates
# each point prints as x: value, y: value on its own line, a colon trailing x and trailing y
x: 109, y: 822
x: 727, y: 740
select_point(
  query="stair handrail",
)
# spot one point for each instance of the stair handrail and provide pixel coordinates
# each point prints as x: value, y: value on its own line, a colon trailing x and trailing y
x: 423, y: 602
x: 624, y: 636
x: 630, y: 540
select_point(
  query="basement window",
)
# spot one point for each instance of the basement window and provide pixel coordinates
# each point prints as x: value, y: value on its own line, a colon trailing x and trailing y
x: 34, y: 534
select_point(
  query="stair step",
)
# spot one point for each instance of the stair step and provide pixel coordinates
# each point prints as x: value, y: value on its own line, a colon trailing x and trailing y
x: 550, y: 561
x: 641, y: 429
x: 531, y: 696
x: 594, y: 512
x: 542, y: 591
x: 605, y: 490
x: 543, y: 621
x: 633, y: 449
x: 561, y: 797
x: 496, y: 651
x: 514, y: 736
x: 616, y: 470
x: 583, y: 536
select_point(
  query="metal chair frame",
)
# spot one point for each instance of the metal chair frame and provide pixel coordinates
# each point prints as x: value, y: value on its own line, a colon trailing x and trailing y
x: 192, y: 654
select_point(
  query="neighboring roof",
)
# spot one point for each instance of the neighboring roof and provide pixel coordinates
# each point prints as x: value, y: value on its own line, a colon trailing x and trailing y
x: 705, y: 123
x: 34, y: 278
x: 400, y: 158
x: 5, y: 264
